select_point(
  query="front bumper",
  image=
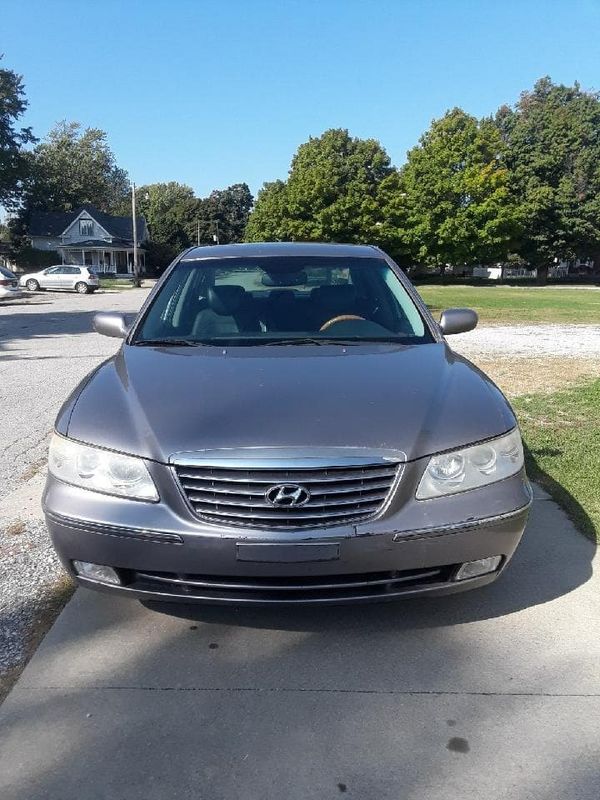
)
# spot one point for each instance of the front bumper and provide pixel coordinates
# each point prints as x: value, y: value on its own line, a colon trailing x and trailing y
x: 11, y: 293
x: 160, y: 553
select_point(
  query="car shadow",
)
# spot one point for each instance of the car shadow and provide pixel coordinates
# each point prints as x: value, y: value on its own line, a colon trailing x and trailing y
x: 46, y: 323
x: 574, y: 510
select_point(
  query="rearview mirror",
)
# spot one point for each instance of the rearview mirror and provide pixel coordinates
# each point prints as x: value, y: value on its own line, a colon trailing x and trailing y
x: 458, y: 320
x: 111, y: 323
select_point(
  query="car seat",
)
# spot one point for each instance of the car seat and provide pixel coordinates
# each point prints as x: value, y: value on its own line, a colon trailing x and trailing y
x: 332, y: 301
x: 285, y: 312
x: 229, y: 310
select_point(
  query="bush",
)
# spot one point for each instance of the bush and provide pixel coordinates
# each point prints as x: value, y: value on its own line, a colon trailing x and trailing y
x: 30, y: 260
x: 158, y: 257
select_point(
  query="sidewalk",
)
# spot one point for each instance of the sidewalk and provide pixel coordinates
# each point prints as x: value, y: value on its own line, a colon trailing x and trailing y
x: 491, y: 694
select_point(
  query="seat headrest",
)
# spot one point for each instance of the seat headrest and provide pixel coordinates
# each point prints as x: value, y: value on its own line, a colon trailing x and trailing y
x: 226, y: 300
x: 336, y: 298
x: 281, y: 296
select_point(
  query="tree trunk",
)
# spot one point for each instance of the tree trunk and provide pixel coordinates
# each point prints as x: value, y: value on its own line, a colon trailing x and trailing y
x: 596, y: 266
x: 542, y: 274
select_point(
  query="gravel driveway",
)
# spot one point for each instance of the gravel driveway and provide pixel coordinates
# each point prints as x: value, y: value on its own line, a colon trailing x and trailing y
x: 46, y: 347
x: 530, y: 341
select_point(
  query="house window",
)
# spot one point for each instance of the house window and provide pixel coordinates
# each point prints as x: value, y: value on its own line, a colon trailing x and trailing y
x: 86, y: 227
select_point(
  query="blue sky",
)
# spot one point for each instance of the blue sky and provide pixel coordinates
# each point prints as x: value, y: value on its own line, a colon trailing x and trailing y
x: 213, y: 93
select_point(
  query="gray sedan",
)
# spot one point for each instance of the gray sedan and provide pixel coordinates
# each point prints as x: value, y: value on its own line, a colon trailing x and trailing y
x: 286, y: 423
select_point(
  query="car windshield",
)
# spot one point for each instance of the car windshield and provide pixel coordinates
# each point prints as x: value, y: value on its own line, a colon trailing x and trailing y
x: 287, y: 300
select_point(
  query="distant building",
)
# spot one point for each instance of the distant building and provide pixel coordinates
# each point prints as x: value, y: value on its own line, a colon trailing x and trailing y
x: 87, y: 237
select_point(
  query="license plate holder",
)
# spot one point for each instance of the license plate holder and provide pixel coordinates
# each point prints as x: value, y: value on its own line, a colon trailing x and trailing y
x: 288, y: 553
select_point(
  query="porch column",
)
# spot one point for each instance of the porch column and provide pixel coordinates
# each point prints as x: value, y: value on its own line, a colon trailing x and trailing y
x: 83, y: 258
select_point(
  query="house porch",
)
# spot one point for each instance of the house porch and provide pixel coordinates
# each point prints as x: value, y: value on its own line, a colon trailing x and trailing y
x: 103, y: 259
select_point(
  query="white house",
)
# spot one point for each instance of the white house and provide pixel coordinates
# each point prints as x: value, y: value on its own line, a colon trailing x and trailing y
x: 89, y: 237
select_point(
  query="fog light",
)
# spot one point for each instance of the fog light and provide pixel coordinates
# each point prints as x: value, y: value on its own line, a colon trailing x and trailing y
x: 473, y: 569
x: 96, y: 572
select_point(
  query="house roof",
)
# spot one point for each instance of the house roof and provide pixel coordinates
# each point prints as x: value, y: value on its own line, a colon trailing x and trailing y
x: 49, y: 223
x: 53, y: 223
x: 100, y: 243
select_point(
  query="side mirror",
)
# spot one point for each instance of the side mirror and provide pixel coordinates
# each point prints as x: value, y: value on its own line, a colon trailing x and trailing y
x: 111, y: 323
x: 458, y: 320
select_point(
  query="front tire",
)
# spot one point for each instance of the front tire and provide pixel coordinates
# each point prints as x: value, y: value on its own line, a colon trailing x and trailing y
x: 32, y: 285
x: 81, y: 288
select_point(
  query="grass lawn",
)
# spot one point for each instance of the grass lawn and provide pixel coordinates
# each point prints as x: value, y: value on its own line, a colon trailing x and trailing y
x: 562, y: 434
x: 113, y: 283
x: 510, y: 304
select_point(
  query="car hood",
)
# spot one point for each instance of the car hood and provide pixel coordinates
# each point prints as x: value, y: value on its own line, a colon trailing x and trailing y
x: 155, y: 402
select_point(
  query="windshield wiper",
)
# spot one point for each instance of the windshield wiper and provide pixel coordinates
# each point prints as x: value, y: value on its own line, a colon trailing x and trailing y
x: 169, y: 343
x: 298, y: 340
x: 258, y: 342
x: 342, y: 342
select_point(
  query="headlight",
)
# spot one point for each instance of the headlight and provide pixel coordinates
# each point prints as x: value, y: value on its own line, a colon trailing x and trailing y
x: 100, y: 470
x: 472, y: 467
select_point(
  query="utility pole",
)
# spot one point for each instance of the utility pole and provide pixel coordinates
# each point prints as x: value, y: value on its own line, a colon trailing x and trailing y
x: 215, y: 236
x: 136, y: 275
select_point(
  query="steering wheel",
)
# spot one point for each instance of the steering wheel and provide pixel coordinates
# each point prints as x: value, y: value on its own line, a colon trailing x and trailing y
x: 341, y: 318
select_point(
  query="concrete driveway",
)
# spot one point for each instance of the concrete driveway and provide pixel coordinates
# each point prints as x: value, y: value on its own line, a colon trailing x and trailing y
x: 493, y: 694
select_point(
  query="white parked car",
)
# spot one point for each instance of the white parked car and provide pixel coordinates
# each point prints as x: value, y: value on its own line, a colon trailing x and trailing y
x: 9, y: 285
x: 63, y: 276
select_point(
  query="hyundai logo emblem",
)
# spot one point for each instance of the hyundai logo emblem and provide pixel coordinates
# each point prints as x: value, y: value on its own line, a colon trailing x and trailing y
x: 287, y: 495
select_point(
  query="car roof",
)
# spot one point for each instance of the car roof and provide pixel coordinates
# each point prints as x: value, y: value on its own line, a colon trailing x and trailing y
x: 282, y: 249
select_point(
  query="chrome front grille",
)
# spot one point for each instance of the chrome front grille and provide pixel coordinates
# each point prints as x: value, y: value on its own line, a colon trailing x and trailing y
x: 338, y: 495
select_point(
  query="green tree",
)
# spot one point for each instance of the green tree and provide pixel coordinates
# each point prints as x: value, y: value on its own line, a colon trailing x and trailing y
x: 14, y: 165
x: 451, y: 203
x: 224, y: 213
x: 330, y: 193
x: 73, y: 166
x: 175, y: 217
x: 170, y: 210
x: 552, y: 138
x: 267, y: 220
